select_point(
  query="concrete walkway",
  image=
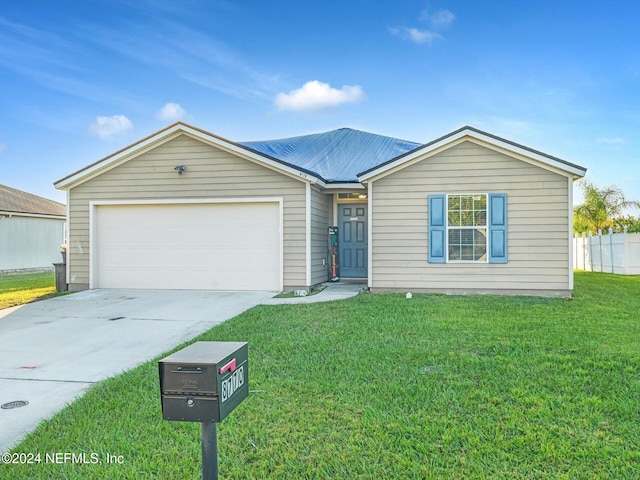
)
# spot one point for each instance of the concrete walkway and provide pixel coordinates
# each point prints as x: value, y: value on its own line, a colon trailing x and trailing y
x: 53, y: 350
x: 331, y: 292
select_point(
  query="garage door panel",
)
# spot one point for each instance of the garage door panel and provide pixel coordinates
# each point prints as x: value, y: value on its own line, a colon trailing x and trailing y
x: 201, y: 246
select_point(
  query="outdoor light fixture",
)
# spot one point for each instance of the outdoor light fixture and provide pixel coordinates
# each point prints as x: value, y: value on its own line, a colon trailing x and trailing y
x: 180, y: 169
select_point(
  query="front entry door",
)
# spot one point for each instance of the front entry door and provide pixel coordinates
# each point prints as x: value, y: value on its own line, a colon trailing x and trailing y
x: 352, y: 222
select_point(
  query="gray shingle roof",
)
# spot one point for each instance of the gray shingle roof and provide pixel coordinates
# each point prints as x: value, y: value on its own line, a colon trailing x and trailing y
x: 17, y: 201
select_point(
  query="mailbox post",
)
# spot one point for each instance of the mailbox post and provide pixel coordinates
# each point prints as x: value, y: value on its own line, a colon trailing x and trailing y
x: 203, y: 383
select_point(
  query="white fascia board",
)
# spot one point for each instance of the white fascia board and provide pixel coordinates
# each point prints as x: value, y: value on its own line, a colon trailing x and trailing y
x: 116, y: 159
x: 490, y: 142
x: 345, y: 186
x: 540, y: 158
x: 31, y: 215
x: 168, y: 134
x: 409, y: 158
x: 251, y: 155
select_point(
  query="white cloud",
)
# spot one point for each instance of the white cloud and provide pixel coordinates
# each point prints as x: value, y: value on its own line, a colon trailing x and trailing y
x: 316, y: 95
x: 439, y: 20
x: 416, y: 35
x: 171, y: 112
x: 610, y: 141
x: 107, y: 126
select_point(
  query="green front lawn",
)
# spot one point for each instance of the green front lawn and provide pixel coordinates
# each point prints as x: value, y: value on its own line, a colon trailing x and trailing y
x: 380, y: 386
x: 17, y: 289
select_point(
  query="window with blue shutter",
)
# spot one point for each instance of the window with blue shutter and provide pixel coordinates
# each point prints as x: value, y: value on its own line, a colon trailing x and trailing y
x: 497, y: 228
x: 437, y: 228
x: 468, y: 228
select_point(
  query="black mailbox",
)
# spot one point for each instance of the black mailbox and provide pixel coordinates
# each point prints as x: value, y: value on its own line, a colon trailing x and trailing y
x: 204, y: 382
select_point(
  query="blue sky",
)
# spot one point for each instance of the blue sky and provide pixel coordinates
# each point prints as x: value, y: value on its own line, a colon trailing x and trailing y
x: 81, y: 79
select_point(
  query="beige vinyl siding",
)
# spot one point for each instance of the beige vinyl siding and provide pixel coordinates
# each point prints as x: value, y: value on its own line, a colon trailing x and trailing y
x: 321, y: 207
x: 537, y: 216
x: 211, y: 173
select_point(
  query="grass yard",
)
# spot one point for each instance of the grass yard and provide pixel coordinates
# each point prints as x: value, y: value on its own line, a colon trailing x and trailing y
x: 17, y: 289
x: 379, y: 386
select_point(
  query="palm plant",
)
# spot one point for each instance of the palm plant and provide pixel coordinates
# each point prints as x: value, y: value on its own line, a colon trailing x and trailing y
x: 601, y: 208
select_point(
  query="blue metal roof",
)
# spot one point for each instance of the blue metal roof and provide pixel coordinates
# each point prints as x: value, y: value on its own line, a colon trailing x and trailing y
x: 335, y: 156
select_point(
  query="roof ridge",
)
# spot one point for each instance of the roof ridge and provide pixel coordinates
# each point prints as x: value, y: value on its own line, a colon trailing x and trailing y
x: 315, y: 134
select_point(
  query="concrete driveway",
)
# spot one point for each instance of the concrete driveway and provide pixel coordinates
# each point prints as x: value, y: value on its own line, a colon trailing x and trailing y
x: 53, y: 350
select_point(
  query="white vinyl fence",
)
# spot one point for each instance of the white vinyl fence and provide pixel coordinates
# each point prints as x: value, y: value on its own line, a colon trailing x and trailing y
x: 30, y: 242
x: 612, y: 253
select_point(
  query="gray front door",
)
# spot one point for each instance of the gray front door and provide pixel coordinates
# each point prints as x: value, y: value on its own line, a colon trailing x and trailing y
x: 352, y: 242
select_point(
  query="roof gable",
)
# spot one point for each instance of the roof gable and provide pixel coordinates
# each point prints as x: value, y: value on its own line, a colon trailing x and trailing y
x: 170, y: 132
x: 16, y: 201
x: 486, y: 139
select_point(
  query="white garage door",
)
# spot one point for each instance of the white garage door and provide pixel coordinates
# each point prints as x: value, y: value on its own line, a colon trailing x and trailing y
x: 230, y: 246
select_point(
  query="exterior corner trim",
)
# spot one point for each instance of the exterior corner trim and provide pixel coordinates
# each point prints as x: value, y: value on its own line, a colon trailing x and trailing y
x: 308, y: 234
x: 370, y: 235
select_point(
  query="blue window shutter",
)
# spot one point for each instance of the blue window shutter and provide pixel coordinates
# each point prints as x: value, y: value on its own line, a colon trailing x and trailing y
x: 497, y: 228
x: 437, y: 228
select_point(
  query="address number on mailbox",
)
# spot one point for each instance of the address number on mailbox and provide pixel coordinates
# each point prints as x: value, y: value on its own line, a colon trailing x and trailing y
x: 232, y: 384
x: 204, y: 382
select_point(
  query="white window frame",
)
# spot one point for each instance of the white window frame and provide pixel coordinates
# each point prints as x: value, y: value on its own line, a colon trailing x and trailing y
x: 472, y: 227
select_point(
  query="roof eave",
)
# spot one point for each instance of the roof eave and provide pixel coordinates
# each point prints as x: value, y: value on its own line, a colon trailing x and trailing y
x: 344, y: 184
x: 575, y: 171
x: 169, y: 132
x: 8, y: 213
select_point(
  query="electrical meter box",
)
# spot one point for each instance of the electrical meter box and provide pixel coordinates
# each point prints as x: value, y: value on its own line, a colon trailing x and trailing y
x: 204, y: 382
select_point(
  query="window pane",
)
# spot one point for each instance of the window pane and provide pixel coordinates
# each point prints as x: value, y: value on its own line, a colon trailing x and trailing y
x: 479, y: 202
x: 465, y: 213
x: 480, y: 235
x: 467, y: 244
x: 480, y: 252
x: 467, y: 210
x: 466, y: 217
x: 466, y: 253
x: 480, y: 244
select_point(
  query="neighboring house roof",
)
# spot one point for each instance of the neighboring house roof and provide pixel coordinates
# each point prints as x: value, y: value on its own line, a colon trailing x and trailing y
x: 15, y: 201
x: 336, y: 156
